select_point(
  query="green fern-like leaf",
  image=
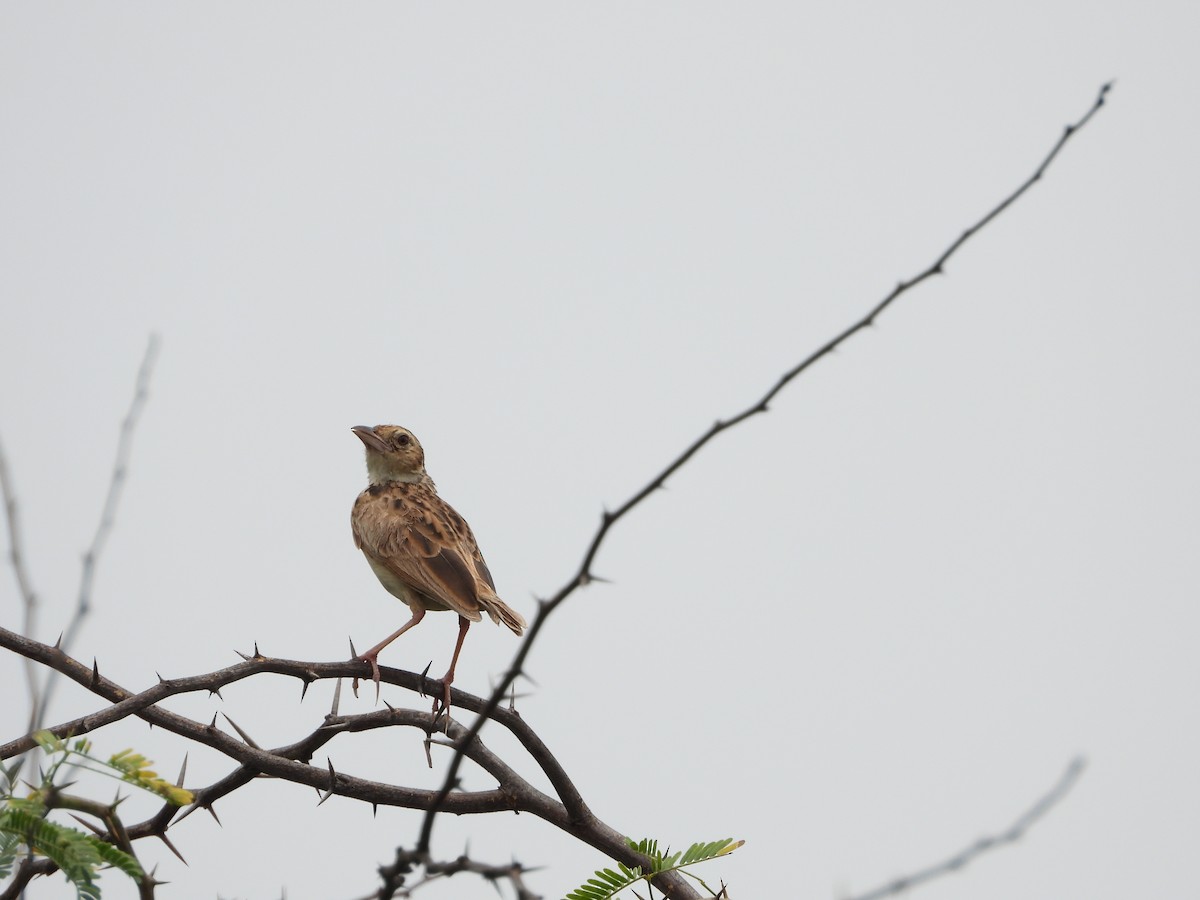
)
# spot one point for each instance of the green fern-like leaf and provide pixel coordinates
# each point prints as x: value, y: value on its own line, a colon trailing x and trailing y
x: 607, y: 883
x: 10, y: 844
x: 701, y: 852
x: 65, y: 847
x: 116, y: 857
x: 77, y: 854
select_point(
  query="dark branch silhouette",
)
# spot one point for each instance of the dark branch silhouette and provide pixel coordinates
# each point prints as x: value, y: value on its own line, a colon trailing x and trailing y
x: 584, y: 574
x: 566, y: 810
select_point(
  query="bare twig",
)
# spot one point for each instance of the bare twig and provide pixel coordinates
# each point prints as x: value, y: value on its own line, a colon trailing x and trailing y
x: 395, y: 875
x: 29, y: 600
x: 1009, y: 836
x: 584, y: 574
x: 83, y: 601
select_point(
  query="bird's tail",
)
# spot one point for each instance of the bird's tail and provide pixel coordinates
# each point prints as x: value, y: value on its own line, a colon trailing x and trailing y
x: 502, y: 612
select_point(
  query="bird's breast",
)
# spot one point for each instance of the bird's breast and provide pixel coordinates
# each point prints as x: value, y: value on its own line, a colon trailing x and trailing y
x: 401, y: 589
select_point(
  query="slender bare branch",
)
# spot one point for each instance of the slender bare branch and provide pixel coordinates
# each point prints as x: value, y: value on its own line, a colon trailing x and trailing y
x: 16, y: 555
x: 584, y: 574
x: 396, y: 875
x: 568, y: 811
x: 116, y: 484
x: 1010, y: 835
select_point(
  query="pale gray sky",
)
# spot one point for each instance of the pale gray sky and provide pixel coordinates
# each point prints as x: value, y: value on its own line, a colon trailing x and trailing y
x: 557, y: 241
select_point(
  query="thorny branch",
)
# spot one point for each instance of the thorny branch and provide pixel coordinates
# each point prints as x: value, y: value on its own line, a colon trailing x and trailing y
x: 567, y: 810
x: 513, y: 793
x: 584, y: 574
x: 1010, y: 835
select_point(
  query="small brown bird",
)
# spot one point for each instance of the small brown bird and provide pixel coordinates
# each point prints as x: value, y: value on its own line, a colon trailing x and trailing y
x: 419, y: 548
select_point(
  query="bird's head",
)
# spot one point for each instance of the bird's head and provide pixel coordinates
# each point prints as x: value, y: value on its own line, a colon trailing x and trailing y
x: 393, y: 454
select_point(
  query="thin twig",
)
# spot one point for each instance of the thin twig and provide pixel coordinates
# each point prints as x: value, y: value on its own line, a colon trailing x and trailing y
x: 16, y: 556
x: 584, y: 574
x: 395, y: 875
x: 83, y: 601
x: 1009, y: 836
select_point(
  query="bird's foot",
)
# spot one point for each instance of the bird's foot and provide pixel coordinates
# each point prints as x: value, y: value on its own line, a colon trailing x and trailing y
x: 441, y: 706
x: 373, y: 659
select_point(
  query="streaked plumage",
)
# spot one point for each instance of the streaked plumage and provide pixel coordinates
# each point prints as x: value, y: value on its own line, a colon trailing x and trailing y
x: 420, y: 549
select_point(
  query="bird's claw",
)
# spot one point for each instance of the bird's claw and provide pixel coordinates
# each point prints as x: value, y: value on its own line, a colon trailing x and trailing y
x: 368, y: 658
x: 441, y: 706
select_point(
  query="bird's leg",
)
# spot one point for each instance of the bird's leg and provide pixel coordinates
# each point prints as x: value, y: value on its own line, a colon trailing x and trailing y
x: 463, y: 624
x: 372, y: 655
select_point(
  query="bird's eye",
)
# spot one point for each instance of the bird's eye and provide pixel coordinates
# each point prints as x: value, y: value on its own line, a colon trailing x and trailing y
x: 402, y: 439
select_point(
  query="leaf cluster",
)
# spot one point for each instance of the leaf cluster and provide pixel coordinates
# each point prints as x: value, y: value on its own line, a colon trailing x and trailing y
x: 26, y: 829
x: 607, y: 883
x: 79, y: 855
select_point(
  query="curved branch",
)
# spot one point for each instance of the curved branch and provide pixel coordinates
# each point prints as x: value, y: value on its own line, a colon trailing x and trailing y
x: 514, y: 792
x: 584, y: 574
x: 125, y: 704
x: 1011, y: 835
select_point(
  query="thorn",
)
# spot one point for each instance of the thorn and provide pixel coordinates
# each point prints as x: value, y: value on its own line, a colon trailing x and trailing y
x: 428, y: 743
x: 161, y: 680
x: 337, y: 698
x: 242, y: 655
x: 257, y: 655
x: 171, y: 847
x: 421, y: 684
x: 374, y: 810
x: 353, y: 652
x: 213, y: 724
x: 88, y: 825
x: 216, y: 691
x: 245, y: 737
x: 95, y: 673
x: 599, y: 578
x: 58, y: 643
x: 332, y: 781
x: 187, y: 812
x: 389, y: 706
x: 304, y: 689
x: 212, y: 812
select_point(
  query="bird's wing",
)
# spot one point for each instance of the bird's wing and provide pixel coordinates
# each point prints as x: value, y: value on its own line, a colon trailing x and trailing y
x: 467, y: 544
x: 407, y: 530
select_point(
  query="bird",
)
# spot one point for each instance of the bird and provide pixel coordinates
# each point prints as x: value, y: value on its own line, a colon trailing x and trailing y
x: 420, y: 549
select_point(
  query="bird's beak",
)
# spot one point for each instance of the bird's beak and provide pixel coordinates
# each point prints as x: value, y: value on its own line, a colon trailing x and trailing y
x: 367, y: 435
